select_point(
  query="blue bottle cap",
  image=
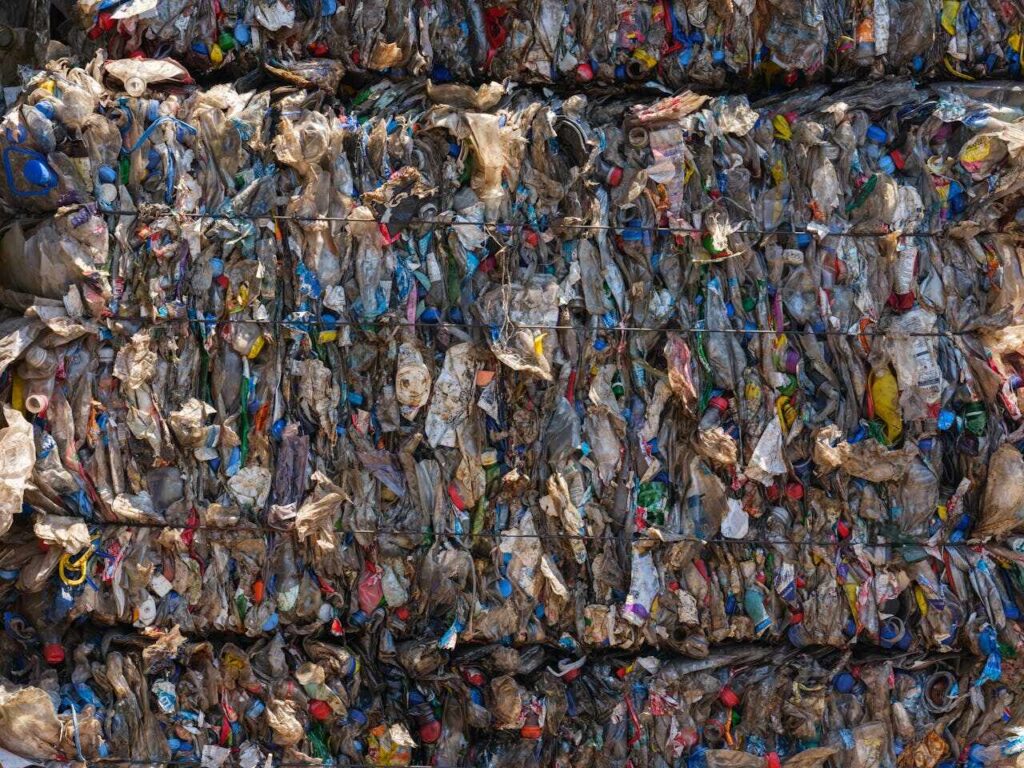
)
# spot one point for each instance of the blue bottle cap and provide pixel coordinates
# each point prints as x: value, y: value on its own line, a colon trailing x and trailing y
x: 107, y: 175
x: 277, y: 430
x: 357, y: 716
x: 946, y: 419
x: 38, y: 173
x: 47, y: 109
x: 505, y: 588
x: 877, y: 134
x: 415, y: 697
x: 803, y: 240
x: 271, y: 623
x: 430, y: 315
x: 241, y: 34
x: 886, y: 164
x: 844, y: 682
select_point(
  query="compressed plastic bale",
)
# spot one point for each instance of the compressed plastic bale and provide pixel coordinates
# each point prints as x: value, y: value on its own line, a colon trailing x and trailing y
x: 645, y: 421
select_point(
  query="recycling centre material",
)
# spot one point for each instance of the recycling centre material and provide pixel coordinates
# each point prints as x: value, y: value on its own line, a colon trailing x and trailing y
x: 404, y: 384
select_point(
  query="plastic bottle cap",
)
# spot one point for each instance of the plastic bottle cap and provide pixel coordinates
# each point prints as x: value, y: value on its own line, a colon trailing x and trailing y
x: 844, y: 683
x: 319, y: 710
x: 886, y: 164
x: 53, y: 653
x: 135, y: 86
x: 729, y: 698
x: 430, y: 732
x: 107, y: 193
x: 38, y: 173
x: 531, y: 731
x: 877, y: 134
x: 614, y: 176
x: 585, y: 72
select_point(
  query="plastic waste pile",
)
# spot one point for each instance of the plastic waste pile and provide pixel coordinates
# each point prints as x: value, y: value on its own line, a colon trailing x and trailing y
x: 451, y: 425
x: 717, y: 43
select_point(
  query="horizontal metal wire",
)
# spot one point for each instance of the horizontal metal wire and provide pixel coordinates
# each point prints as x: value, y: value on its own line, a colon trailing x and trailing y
x: 254, y: 526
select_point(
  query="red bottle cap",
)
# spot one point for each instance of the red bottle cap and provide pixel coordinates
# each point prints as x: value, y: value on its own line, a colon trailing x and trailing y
x: 53, y: 653
x: 585, y: 72
x: 729, y: 698
x: 795, y: 491
x: 614, y: 176
x: 771, y: 760
x: 719, y: 403
x: 319, y: 710
x: 430, y: 732
x: 531, y: 731
x: 843, y: 530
